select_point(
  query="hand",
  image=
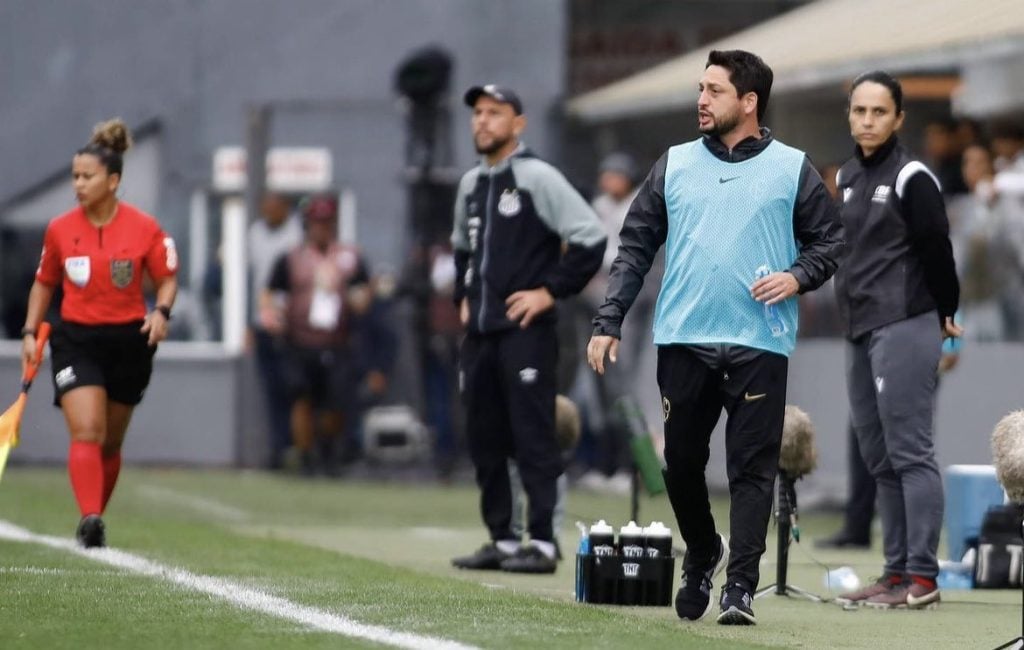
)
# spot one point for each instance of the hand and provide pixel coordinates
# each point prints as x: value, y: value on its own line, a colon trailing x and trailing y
x: 28, y: 352
x: 271, y: 320
x: 599, y: 346
x: 951, y: 329
x: 775, y: 287
x: 947, y: 362
x: 524, y: 306
x: 156, y: 326
x: 464, y: 312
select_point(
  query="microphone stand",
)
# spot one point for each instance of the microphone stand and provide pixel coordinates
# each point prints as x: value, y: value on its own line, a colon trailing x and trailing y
x: 1019, y: 641
x: 786, y: 521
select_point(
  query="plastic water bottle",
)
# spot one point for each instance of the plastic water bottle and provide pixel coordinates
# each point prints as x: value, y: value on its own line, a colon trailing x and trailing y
x: 631, y: 541
x: 602, y: 538
x: 776, y: 325
x: 582, y: 551
x: 842, y: 579
x: 658, y: 540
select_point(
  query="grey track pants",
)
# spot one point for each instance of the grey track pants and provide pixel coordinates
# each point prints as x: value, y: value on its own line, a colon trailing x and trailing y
x: 891, y: 379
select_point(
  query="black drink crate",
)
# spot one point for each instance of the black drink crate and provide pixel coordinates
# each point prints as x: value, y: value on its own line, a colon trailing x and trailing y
x: 638, y: 570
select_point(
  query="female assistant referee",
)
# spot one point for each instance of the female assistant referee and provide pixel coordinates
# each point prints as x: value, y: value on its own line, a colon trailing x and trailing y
x: 103, y: 348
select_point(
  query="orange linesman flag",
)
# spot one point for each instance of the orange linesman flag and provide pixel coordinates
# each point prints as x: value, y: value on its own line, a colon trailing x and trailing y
x: 10, y: 421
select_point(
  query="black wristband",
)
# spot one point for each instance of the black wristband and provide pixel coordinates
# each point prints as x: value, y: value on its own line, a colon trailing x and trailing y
x: 165, y: 310
x: 25, y: 331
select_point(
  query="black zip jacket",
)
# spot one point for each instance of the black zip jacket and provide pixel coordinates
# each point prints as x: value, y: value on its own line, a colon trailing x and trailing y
x: 899, y: 263
x: 520, y: 225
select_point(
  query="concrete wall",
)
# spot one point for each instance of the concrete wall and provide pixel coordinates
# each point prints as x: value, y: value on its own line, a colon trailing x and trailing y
x: 192, y: 413
x: 194, y: 66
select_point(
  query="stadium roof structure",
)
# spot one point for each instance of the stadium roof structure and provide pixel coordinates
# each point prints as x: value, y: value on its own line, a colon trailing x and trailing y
x: 825, y: 42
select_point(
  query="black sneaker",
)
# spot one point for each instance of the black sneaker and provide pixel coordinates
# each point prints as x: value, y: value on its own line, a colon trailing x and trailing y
x: 693, y: 600
x: 487, y: 558
x: 736, y: 601
x: 529, y: 559
x: 91, y: 533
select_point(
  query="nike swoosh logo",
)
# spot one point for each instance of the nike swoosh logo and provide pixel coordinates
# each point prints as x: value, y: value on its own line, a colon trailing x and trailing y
x: 927, y: 599
x: 753, y: 398
x: 726, y: 180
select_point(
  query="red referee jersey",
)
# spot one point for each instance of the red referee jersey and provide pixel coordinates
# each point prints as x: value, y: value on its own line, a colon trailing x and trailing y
x: 102, y: 266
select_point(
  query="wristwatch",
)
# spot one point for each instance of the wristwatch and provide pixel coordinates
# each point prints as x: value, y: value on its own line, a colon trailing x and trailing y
x: 25, y: 331
x: 165, y: 310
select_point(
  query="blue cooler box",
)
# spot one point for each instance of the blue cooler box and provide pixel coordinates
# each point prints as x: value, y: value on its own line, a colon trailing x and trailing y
x: 970, y: 491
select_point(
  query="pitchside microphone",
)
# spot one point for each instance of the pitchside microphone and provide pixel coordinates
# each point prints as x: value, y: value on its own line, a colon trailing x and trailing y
x: 1008, y: 454
x: 567, y: 424
x: 798, y: 455
x: 797, y: 458
x: 1008, y: 457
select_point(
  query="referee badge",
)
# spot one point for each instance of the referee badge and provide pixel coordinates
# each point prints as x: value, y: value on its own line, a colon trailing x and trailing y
x: 77, y: 270
x: 121, y: 272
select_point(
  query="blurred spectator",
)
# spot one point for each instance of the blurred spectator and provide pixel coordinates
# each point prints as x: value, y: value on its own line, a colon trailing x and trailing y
x: 819, y: 312
x: 611, y: 459
x: 998, y: 215
x: 310, y: 297
x: 968, y: 132
x: 1007, y: 145
x: 942, y: 149
x: 270, y: 237
x: 969, y: 224
x: 374, y: 345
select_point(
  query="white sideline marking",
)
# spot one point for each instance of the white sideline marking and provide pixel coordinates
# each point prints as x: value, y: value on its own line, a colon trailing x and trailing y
x: 200, y: 504
x: 50, y: 571
x: 237, y: 594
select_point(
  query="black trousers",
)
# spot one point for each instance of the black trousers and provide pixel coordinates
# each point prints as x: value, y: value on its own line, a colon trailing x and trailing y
x: 754, y: 397
x: 508, y: 387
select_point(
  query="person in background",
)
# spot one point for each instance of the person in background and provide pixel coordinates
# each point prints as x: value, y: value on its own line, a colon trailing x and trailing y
x: 522, y: 238
x: 1007, y: 142
x: 943, y: 149
x: 898, y: 293
x: 310, y: 297
x: 819, y: 314
x: 374, y: 346
x: 274, y: 234
x: 747, y: 224
x: 103, y: 347
x: 611, y: 471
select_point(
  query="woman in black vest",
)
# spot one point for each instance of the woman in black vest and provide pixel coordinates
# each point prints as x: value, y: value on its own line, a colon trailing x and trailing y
x: 897, y: 292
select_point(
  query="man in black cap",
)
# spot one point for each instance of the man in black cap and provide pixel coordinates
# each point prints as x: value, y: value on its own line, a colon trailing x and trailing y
x: 523, y: 237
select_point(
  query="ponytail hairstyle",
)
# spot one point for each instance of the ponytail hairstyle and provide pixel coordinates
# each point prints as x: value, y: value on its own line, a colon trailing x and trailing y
x: 882, y: 78
x: 109, y: 141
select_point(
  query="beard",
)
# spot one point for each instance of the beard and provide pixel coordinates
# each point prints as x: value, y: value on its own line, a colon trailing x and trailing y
x: 493, y: 146
x: 720, y: 125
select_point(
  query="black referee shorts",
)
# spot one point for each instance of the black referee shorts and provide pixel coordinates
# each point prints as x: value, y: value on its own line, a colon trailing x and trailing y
x: 116, y: 357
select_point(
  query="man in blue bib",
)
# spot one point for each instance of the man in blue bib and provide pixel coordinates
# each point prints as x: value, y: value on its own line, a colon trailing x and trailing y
x: 747, y: 224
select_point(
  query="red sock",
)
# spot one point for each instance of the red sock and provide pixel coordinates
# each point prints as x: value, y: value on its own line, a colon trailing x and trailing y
x: 85, y: 467
x: 924, y: 582
x: 111, y: 468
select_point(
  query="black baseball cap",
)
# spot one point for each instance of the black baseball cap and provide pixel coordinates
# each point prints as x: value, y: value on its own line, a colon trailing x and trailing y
x: 502, y: 94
